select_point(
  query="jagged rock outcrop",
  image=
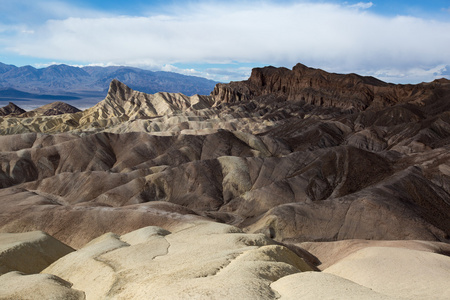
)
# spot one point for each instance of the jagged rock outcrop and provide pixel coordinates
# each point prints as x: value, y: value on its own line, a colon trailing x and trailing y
x: 350, y: 92
x: 123, y: 104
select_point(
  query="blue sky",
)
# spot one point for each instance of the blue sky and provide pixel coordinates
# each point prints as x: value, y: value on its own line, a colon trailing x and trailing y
x: 396, y: 41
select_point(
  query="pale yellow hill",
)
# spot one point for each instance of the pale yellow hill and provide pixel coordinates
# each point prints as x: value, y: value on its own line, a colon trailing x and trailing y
x: 397, y: 272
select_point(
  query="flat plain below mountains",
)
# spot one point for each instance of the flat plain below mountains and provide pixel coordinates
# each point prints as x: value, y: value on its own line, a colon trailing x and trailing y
x: 292, y: 184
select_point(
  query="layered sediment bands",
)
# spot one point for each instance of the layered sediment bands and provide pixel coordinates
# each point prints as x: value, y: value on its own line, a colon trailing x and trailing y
x: 298, y: 155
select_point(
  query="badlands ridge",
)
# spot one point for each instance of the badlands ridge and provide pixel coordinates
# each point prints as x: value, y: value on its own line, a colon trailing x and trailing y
x: 292, y: 184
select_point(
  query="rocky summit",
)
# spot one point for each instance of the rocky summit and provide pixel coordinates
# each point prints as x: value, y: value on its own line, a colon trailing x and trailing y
x: 291, y: 184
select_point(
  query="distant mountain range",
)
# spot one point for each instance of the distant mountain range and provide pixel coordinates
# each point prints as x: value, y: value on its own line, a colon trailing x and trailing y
x: 63, y: 82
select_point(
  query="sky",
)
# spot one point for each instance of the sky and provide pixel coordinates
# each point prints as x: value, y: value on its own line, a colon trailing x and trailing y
x: 395, y: 41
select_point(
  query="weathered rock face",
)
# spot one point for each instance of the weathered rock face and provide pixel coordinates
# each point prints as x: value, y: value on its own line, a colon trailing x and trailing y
x: 313, y: 86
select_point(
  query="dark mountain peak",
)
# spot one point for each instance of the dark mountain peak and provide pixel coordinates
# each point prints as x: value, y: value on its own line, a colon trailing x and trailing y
x: 442, y: 81
x: 300, y: 67
x: 27, y: 67
x: 21, y: 75
x: 96, y: 70
x: 263, y: 76
x: 60, y: 66
x: 58, y: 108
x: 51, y: 109
x: 55, y: 72
x: 11, y: 109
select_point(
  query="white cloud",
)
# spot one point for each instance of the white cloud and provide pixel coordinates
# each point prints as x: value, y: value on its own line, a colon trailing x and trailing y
x: 228, y: 74
x: 191, y: 71
x: 35, y: 12
x: 362, y: 5
x: 225, y: 74
x: 412, y: 75
x: 334, y: 37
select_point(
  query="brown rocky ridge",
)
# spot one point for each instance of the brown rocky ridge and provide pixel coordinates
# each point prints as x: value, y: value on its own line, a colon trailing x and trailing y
x: 262, y: 183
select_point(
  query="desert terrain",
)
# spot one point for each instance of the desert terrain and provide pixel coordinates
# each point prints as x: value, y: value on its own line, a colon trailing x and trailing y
x: 294, y: 184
